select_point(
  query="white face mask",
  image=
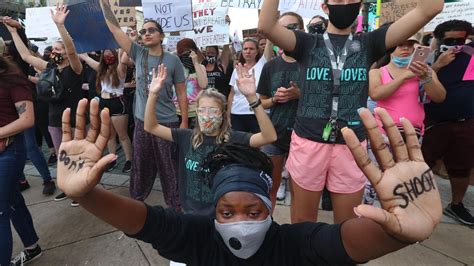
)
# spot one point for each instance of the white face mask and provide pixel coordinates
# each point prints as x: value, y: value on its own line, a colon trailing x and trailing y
x: 244, y: 238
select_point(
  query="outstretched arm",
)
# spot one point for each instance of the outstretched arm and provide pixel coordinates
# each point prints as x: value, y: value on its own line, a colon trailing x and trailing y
x: 90, y: 62
x: 246, y: 84
x: 81, y: 165
x: 412, y: 22
x: 25, y: 54
x: 151, y: 123
x: 59, y: 17
x: 411, y: 204
x: 269, y: 26
x: 121, y: 37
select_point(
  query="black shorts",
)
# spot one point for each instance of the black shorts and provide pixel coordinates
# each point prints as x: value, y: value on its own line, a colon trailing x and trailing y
x: 453, y: 143
x: 116, y: 106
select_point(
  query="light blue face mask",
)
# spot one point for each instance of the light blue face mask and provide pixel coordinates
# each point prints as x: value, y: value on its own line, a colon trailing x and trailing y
x: 401, y: 61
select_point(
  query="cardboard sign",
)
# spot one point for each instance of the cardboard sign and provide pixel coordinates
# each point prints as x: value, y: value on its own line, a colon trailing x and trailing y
x: 172, y: 15
x: 39, y: 23
x: 395, y: 9
x: 86, y: 25
x: 130, y: 2
x: 124, y: 15
x: 210, y: 26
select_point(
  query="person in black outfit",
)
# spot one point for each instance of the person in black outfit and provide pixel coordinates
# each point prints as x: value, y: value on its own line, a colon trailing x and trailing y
x: 217, y: 69
x: 243, y: 232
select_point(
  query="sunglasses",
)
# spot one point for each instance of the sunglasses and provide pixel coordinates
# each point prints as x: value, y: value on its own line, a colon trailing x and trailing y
x: 454, y: 41
x: 150, y: 30
x: 292, y: 26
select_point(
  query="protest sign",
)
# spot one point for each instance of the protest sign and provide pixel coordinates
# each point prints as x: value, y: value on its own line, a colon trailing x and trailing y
x: 130, y: 2
x: 210, y: 26
x: 172, y: 41
x: 172, y: 15
x: 236, y: 43
x: 39, y: 23
x: 391, y: 11
x: 460, y: 9
x: 124, y: 15
x: 248, y: 4
x: 305, y: 8
x: 86, y: 25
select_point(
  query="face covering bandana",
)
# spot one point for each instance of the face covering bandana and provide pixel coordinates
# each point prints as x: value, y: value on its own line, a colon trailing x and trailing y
x: 56, y: 58
x: 316, y: 28
x: 209, y: 124
x: 187, y: 62
x: 401, y: 61
x: 211, y: 59
x: 342, y: 16
x: 244, y: 238
x: 110, y: 60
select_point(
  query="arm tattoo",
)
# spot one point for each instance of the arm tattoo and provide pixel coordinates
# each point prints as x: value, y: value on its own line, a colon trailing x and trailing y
x: 21, y: 109
x: 108, y: 14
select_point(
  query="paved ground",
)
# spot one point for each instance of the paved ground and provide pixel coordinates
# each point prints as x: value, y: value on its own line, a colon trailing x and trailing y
x: 71, y: 236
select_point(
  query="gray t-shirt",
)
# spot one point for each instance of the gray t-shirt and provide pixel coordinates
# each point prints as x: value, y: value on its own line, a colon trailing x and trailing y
x: 165, y: 108
x: 194, y: 194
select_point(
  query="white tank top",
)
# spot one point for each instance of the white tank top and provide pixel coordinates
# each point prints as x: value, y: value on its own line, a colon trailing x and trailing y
x: 107, y: 87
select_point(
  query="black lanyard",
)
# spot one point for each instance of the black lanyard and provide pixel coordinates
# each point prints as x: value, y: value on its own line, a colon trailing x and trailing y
x: 337, y: 64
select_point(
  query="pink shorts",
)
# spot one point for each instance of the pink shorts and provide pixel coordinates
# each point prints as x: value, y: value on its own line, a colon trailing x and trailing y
x: 313, y: 165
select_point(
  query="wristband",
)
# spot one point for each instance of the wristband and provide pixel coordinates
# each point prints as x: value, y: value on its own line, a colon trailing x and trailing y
x: 255, y: 104
x: 427, y: 80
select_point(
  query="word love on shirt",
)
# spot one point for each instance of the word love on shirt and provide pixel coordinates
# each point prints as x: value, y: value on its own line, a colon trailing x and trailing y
x: 409, y: 191
x: 66, y: 160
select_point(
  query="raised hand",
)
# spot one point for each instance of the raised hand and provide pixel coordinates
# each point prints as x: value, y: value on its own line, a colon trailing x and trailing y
x: 80, y: 161
x: 246, y: 81
x: 158, y: 81
x: 194, y: 57
x: 60, y: 14
x: 405, y: 184
x: 11, y: 24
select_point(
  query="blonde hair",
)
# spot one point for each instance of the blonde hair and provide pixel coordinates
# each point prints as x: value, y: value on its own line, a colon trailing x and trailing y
x: 224, y: 131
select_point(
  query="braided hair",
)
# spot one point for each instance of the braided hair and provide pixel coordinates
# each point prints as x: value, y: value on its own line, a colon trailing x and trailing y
x: 233, y: 153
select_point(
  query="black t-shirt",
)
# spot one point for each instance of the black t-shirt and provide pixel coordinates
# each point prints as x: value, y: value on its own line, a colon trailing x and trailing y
x: 315, y: 102
x: 72, y: 82
x: 277, y: 73
x: 193, y: 240
x: 195, y: 195
x: 459, y: 102
x: 219, y: 80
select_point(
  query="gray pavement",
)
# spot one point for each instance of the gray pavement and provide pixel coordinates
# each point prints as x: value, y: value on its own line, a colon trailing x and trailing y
x: 72, y: 236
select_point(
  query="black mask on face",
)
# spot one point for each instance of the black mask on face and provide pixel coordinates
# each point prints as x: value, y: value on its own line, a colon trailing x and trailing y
x: 316, y: 28
x: 211, y: 59
x: 342, y: 16
x: 187, y: 62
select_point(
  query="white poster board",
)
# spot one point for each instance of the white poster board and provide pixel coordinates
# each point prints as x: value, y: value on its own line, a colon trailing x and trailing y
x: 461, y: 10
x: 305, y: 8
x: 38, y: 23
x: 173, y: 15
x: 210, y: 26
x: 247, y: 4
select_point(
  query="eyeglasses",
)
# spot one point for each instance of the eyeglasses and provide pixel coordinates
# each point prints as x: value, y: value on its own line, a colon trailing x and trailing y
x: 454, y: 41
x: 292, y: 26
x: 150, y: 30
x: 209, y: 111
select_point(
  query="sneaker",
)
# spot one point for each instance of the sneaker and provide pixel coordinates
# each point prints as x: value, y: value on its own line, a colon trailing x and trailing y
x: 24, y: 185
x: 281, y: 193
x: 52, y: 159
x: 111, y: 166
x: 60, y: 197
x: 326, y: 203
x: 74, y: 204
x: 27, y: 256
x: 460, y: 213
x: 49, y: 187
x: 127, y: 167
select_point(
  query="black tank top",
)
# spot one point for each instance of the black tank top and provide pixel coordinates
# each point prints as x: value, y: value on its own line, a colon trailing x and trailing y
x: 219, y: 80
